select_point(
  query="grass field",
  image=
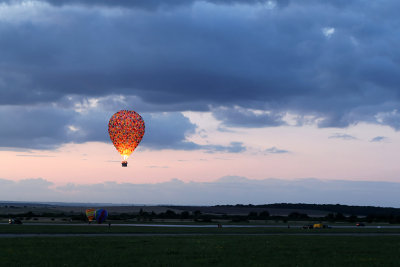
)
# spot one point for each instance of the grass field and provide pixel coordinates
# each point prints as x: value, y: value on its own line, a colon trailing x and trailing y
x: 214, y: 247
x: 94, y: 228
x: 201, y: 251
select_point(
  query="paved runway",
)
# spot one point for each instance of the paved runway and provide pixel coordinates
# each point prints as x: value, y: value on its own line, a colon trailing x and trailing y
x: 211, y: 225
x: 23, y: 235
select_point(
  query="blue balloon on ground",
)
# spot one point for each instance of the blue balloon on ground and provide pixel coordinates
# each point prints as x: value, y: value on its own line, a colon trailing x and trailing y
x: 101, y: 215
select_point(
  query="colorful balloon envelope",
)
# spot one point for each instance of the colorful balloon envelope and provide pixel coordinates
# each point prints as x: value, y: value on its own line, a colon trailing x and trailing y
x: 101, y: 215
x: 126, y: 129
x: 90, y: 214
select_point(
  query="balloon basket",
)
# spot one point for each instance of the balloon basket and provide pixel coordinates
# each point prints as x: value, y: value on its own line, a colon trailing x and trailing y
x: 124, y: 164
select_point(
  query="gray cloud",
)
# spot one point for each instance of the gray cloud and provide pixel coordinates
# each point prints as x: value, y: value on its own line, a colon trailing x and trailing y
x: 241, y: 117
x: 227, y: 190
x: 168, y: 131
x: 28, y: 127
x: 379, y: 139
x: 47, y: 128
x: 391, y: 118
x: 229, y: 57
x: 41, y: 127
x: 274, y: 150
x: 153, y: 4
x: 233, y: 147
x: 27, y: 189
x: 342, y: 136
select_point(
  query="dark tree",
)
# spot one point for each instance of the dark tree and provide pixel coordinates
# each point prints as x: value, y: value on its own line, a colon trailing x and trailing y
x: 185, y: 215
x: 264, y: 215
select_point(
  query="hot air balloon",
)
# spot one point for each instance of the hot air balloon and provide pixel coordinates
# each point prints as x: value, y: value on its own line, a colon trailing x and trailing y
x: 90, y: 214
x: 126, y: 129
x: 101, y: 215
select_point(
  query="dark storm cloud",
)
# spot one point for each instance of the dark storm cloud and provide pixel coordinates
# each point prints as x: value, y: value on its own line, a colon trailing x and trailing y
x: 49, y: 127
x: 241, y: 117
x: 169, y: 131
x: 42, y: 128
x: 390, y: 118
x: 326, y: 59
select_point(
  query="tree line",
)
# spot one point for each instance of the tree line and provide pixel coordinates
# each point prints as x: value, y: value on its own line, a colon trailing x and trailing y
x: 198, y: 216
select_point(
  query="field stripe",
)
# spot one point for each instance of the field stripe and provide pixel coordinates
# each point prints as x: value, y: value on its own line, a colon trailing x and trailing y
x: 194, y: 234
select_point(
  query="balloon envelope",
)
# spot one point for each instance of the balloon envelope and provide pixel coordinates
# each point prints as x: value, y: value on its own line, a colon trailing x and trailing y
x: 126, y: 129
x: 90, y: 214
x: 101, y: 215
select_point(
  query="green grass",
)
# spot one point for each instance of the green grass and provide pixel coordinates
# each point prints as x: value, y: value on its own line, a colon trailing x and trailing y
x: 201, y: 251
x: 92, y: 229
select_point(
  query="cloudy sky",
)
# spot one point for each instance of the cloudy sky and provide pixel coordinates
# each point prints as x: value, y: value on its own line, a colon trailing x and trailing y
x: 304, y: 94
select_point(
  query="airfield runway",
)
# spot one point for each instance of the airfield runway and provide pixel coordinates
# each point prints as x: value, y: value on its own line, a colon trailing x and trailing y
x: 211, y: 225
x: 22, y: 235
